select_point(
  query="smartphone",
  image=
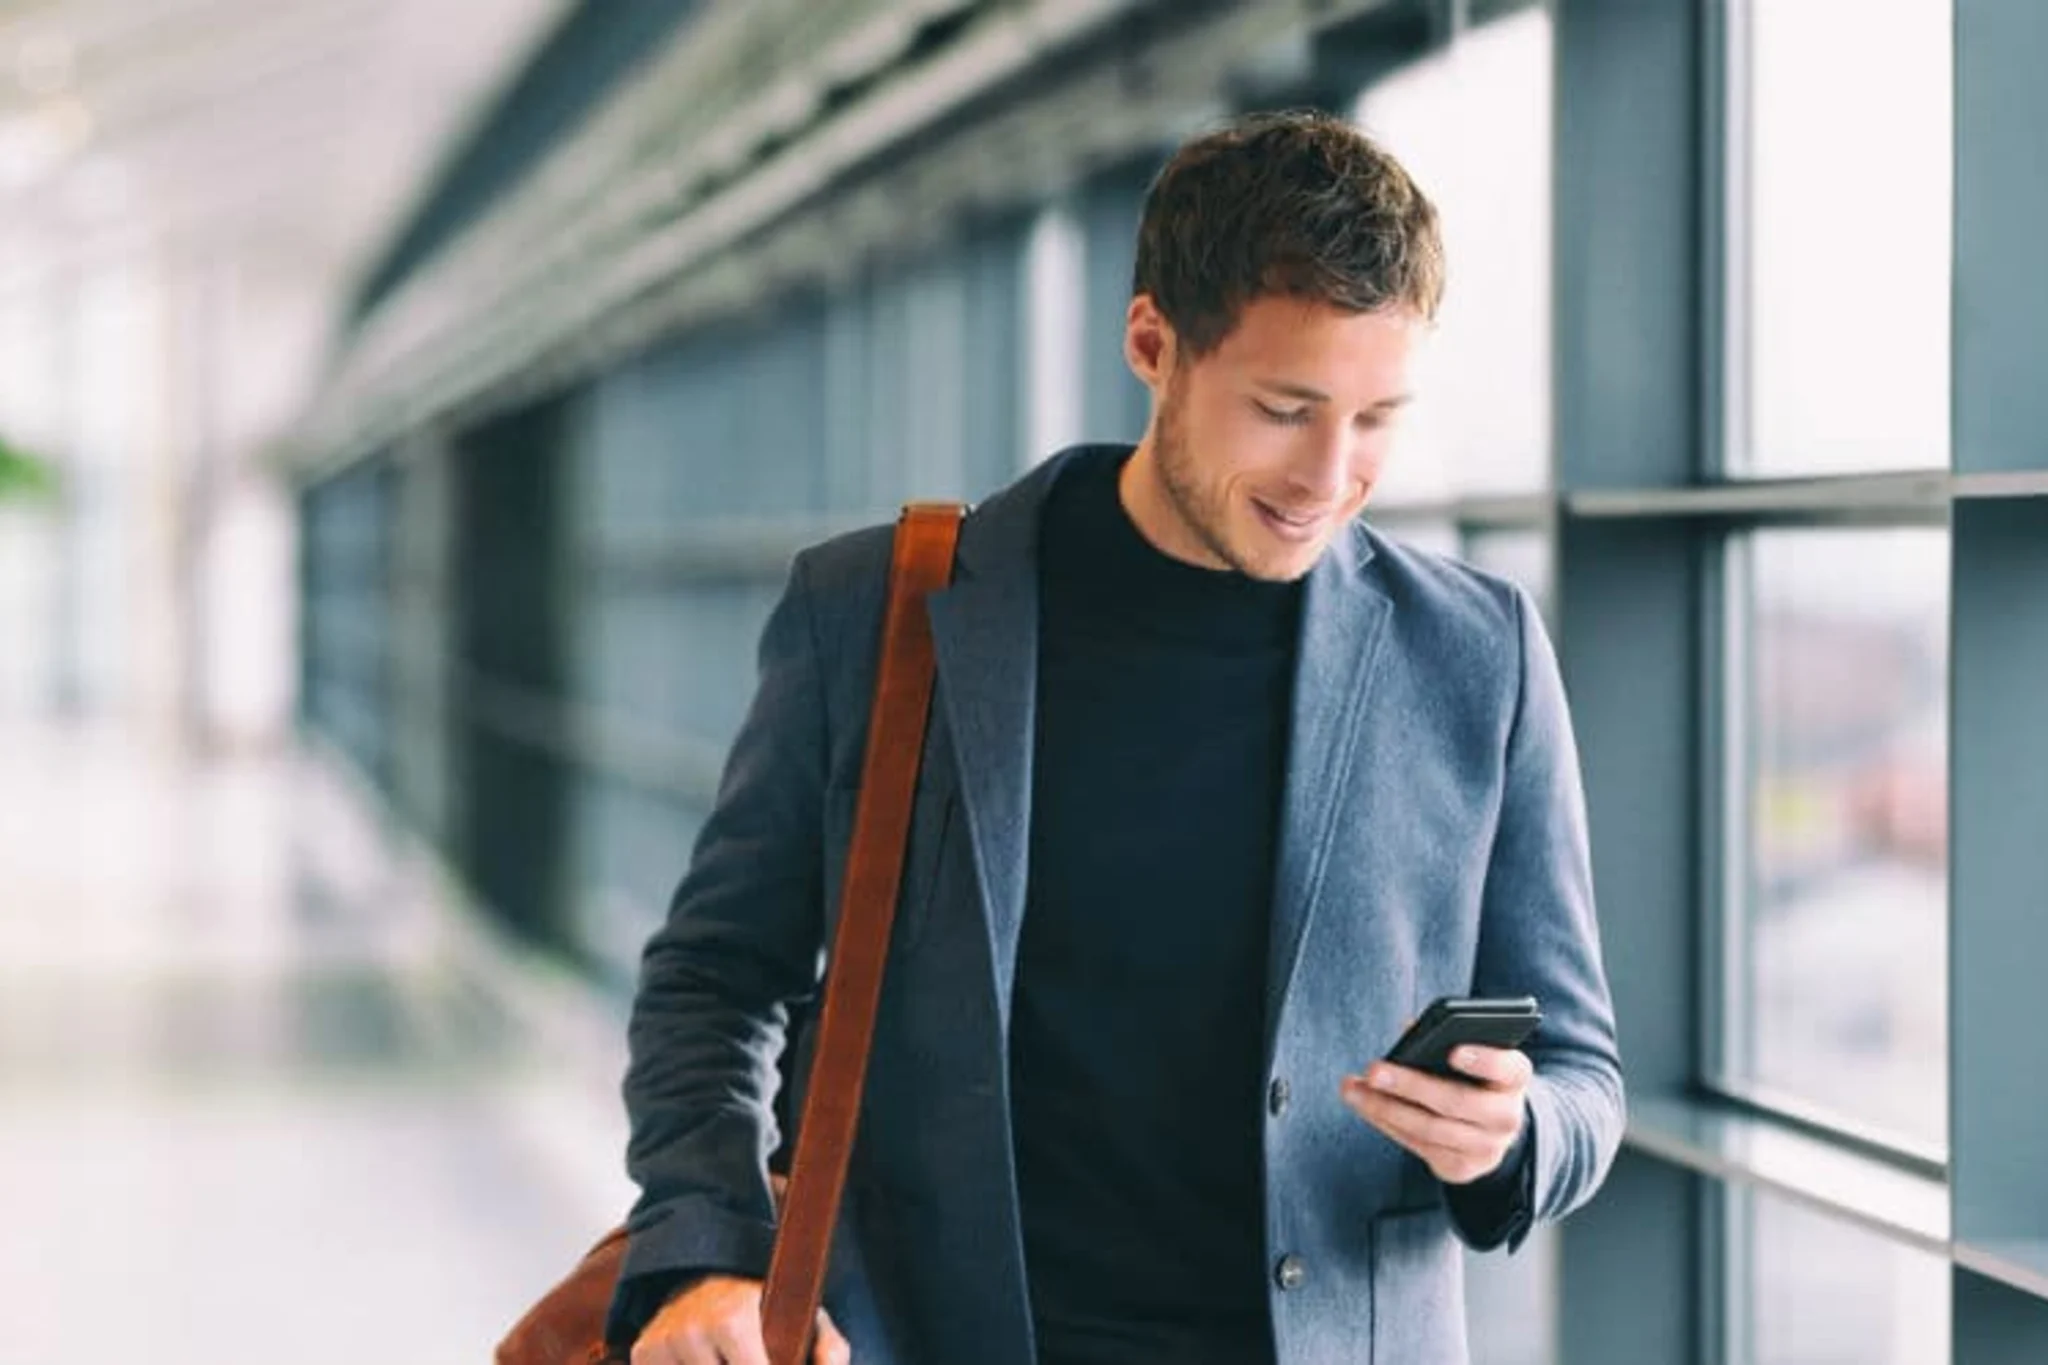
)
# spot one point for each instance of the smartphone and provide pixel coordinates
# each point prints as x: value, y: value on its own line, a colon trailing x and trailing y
x: 1451, y: 1022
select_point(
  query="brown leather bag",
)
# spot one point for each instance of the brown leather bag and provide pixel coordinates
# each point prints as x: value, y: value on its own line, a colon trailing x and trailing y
x: 567, y: 1326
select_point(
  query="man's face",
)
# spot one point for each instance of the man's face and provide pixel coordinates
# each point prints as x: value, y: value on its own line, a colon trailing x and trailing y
x: 1262, y: 451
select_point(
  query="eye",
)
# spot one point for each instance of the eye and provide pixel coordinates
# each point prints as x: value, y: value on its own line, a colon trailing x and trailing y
x: 1286, y: 417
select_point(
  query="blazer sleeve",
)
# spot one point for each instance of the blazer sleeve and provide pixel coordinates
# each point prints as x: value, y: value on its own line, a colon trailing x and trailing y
x: 743, y: 945
x: 1538, y: 936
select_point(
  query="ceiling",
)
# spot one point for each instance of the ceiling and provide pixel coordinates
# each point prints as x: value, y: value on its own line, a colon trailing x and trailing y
x: 296, y: 130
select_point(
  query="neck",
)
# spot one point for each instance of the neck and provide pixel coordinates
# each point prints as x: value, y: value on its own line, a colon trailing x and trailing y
x: 1141, y: 488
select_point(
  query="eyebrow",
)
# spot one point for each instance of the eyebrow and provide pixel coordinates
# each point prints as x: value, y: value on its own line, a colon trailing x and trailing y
x: 1314, y: 395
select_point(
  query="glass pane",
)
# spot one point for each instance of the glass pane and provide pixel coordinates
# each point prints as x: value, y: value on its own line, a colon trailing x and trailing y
x: 1434, y: 536
x: 1840, y: 197
x: 1473, y: 126
x: 1840, y: 951
x: 1055, y: 319
x: 1522, y: 557
x: 1813, y: 1290
x: 1511, y: 1302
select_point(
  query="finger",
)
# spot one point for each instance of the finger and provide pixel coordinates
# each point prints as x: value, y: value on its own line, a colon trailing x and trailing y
x: 831, y: 1348
x: 715, y: 1321
x: 738, y: 1338
x: 1497, y: 1111
x: 1455, y: 1164
x: 1429, y: 1135
x: 685, y: 1347
x: 1483, y: 1105
x: 667, y: 1343
x: 1503, y: 1068
x: 649, y: 1351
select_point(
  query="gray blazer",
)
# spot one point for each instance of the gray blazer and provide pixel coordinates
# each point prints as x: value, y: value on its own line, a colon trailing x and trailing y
x: 1433, y: 843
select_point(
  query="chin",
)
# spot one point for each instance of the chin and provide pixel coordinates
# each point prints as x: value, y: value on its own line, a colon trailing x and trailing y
x: 1258, y: 552
x: 1282, y: 566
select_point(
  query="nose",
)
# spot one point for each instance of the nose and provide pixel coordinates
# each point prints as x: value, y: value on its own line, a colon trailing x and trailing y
x: 1317, y: 474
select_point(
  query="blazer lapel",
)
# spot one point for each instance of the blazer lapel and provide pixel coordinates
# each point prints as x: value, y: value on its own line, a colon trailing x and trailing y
x: 985, y: 631
x: 1343, y: 625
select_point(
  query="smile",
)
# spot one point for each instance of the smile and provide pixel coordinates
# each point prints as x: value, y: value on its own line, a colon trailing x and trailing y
x: 1296, y: 526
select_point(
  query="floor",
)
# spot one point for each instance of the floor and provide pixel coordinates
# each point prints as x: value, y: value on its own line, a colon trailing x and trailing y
x: 264, y: 1093
x: 267, y: 1093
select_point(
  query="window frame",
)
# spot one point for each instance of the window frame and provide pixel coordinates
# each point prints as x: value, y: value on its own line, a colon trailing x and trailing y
x: 1727, y: 751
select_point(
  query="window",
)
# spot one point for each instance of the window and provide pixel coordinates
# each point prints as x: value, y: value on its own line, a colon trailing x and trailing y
x: 1511, y: 1302
x: 1435, y: 535
x: 1520, y: 556
x: 1054, y: 272
x: 1812, y: 1290
x: 1839, y: 199
x: 30, y: 547
x: 1473, y: 125
x: 1837, y: 946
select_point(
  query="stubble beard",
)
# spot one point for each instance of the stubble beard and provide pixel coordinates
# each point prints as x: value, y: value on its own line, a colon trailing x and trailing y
x: 1204, y: 515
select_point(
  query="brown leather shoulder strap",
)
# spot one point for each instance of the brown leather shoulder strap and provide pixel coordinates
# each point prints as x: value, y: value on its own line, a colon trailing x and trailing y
x: 923, y: 563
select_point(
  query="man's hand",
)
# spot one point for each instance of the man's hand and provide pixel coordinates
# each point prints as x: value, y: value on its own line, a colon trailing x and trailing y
x: 1462, y: 1130
x: 717, y: 1321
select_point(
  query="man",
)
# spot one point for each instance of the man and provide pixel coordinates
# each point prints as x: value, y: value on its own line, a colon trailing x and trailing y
x: 1221, y: 787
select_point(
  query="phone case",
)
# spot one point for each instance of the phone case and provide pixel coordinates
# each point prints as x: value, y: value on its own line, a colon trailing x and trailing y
x: 1450, y: 1023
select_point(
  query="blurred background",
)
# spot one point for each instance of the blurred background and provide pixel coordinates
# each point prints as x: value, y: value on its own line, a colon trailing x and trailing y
x: 407, y: 413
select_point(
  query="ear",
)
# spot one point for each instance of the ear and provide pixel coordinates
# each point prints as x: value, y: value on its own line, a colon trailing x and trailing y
x: 1149, y: 343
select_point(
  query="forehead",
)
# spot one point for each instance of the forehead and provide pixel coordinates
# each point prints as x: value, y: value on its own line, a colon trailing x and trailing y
x: 1311, y: 342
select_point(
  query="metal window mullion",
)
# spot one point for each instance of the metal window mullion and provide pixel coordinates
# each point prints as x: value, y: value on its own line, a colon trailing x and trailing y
x: 1727, y: 1315
x: 1903, y: 498
x: 1729, y: 192
x: 1724, y: 769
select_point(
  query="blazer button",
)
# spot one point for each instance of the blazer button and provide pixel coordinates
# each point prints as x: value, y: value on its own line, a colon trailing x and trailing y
x: 1277, y: 1095
x: 1291, y: 1272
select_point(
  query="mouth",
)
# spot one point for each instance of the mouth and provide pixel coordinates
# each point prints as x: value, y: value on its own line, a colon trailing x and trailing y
x: 1295, y: 526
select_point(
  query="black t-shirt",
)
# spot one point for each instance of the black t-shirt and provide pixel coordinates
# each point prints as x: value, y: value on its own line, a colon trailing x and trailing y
x: 1138, y: 1027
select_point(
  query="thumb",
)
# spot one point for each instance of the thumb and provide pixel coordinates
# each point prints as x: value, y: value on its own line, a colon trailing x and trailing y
x: 830, y: 1348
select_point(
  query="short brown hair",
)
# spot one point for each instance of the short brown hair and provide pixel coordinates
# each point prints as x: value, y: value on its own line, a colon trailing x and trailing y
x: 1301, y: 204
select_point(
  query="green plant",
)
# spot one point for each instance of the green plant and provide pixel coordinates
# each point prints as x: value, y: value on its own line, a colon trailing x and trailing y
x: 22, y: 475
